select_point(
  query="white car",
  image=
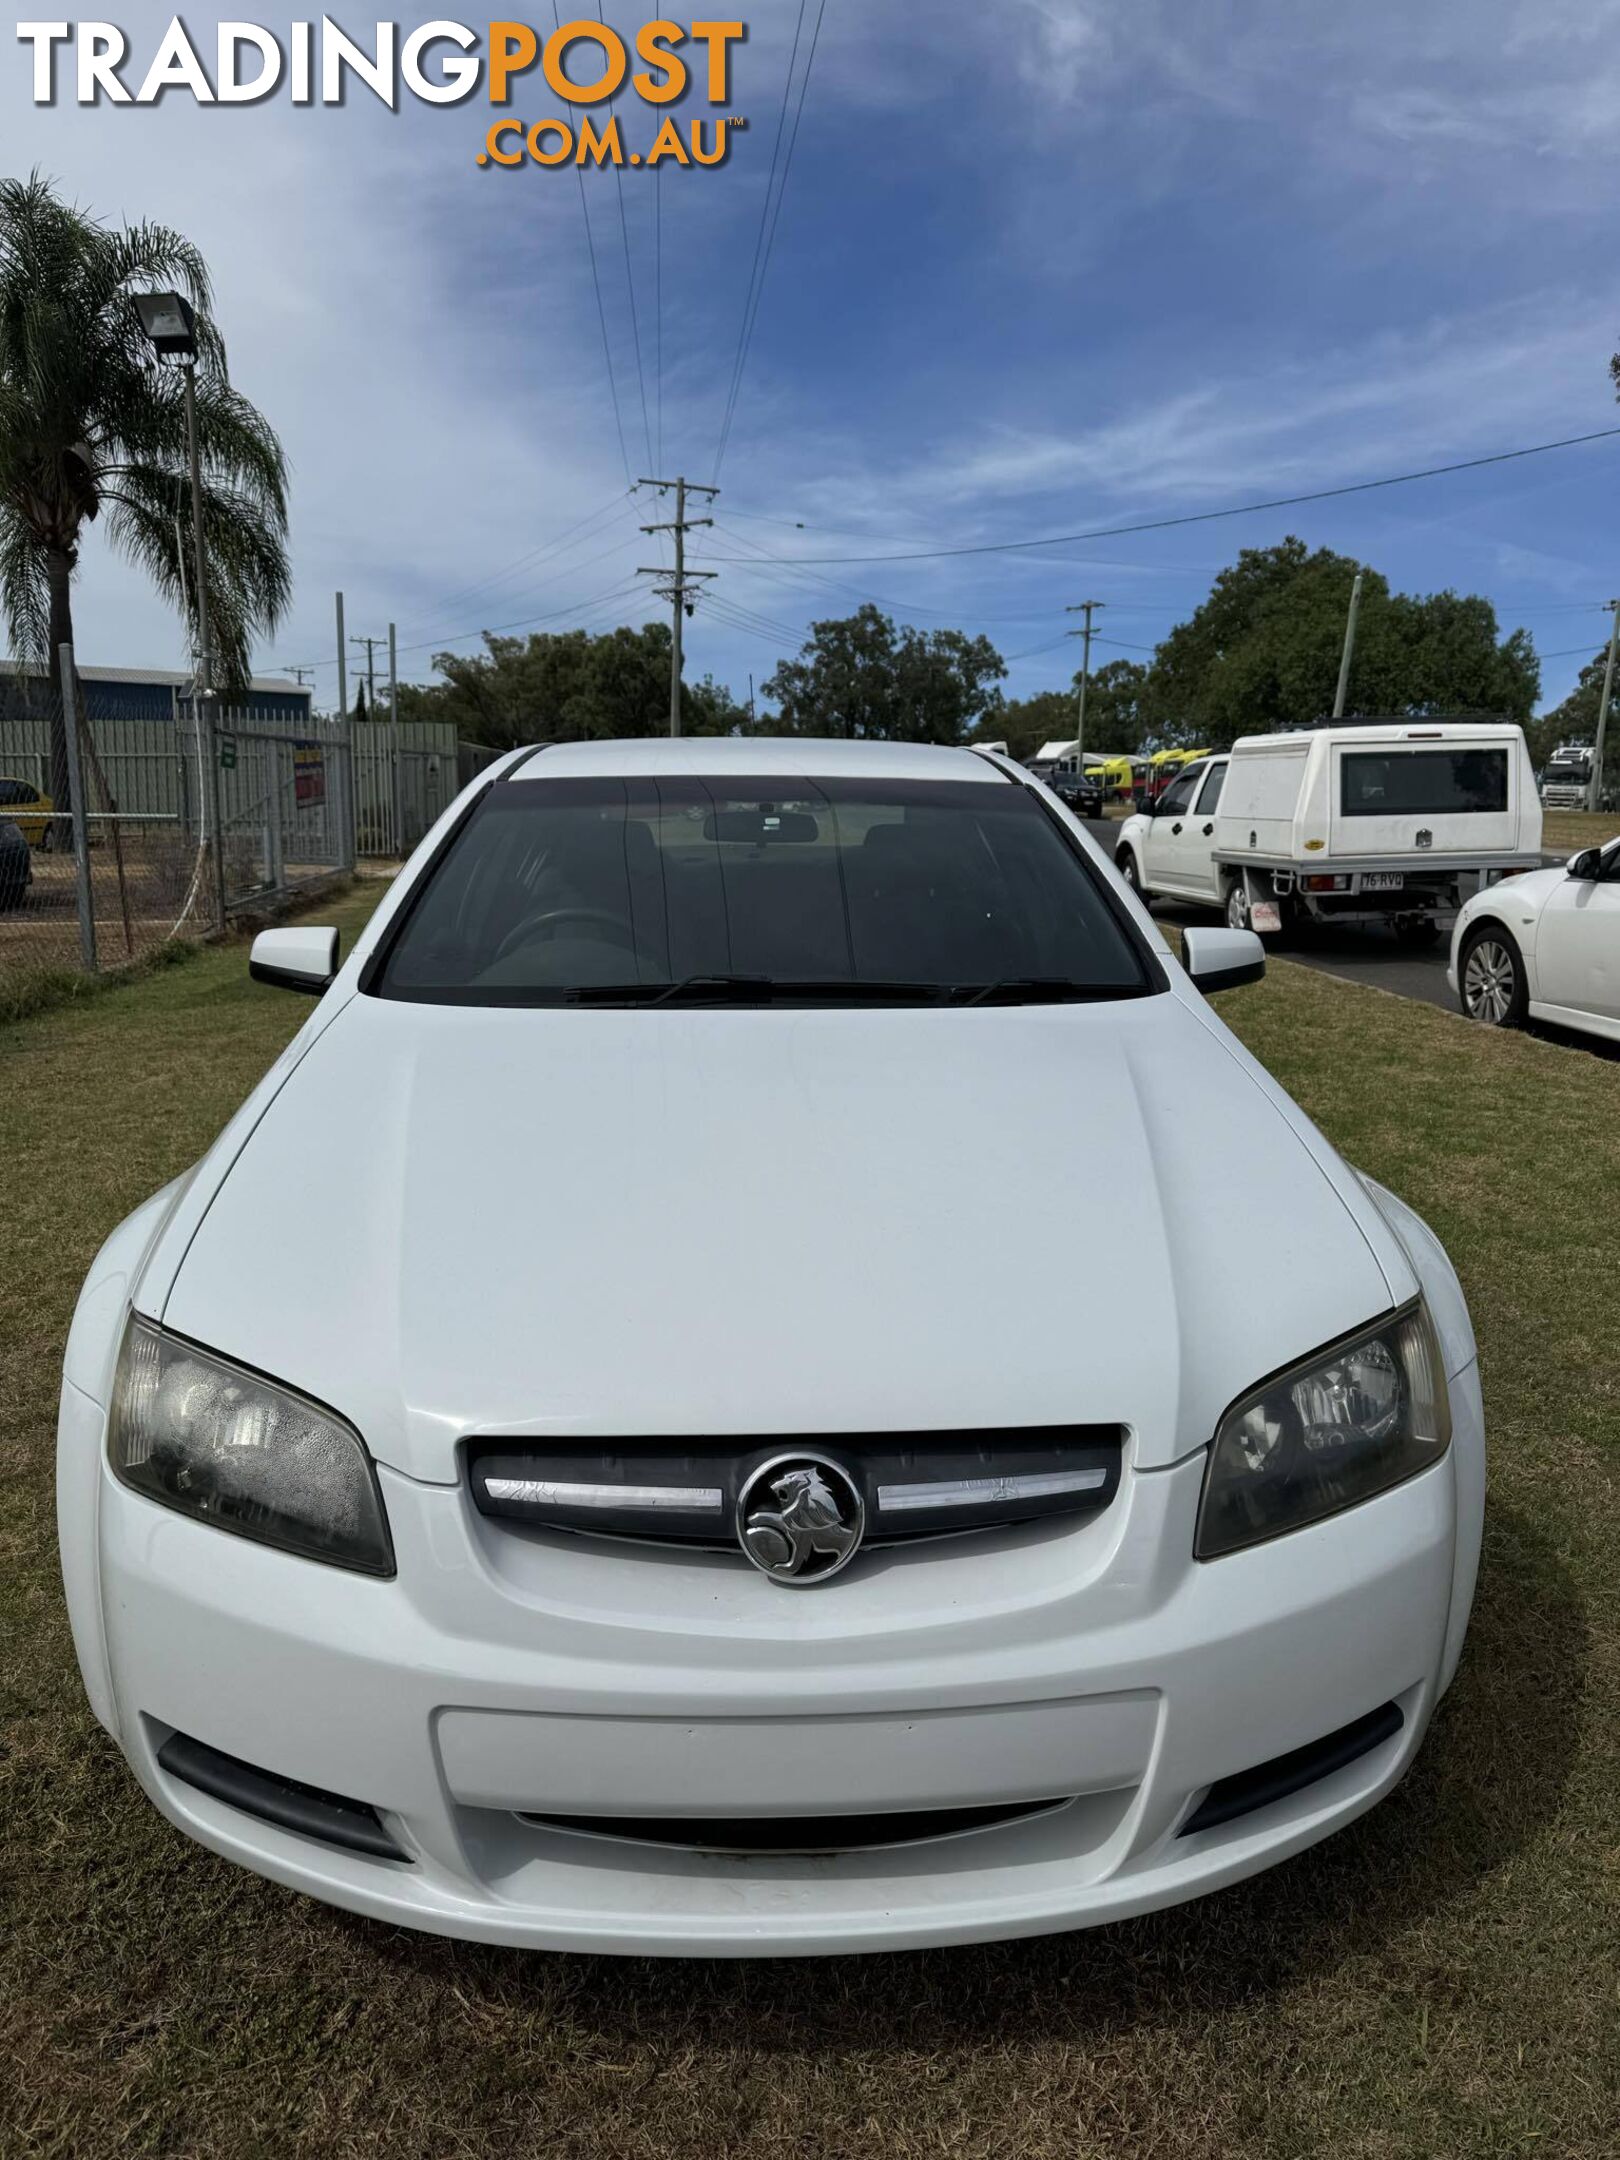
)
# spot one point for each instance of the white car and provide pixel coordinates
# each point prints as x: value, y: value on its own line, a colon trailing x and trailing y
x: 572, y: 1467
x: 1544, y: 946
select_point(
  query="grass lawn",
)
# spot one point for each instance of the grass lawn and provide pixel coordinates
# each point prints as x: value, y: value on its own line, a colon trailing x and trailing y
x: 1444, y: 1978
x: 1563, y: 831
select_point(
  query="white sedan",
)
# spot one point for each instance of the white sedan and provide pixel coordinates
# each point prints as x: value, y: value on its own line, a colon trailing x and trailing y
x: 572, y: 1465
x: 1544, y: 946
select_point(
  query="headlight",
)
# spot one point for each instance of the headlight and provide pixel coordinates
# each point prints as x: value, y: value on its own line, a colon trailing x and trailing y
x: 196, y: 1434
x: 1345, y: 1424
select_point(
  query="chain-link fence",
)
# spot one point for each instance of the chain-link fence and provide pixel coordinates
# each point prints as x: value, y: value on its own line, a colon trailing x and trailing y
x: 119, y: 834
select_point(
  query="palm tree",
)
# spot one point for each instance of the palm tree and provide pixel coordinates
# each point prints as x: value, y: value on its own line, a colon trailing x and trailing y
x: 93, y: 429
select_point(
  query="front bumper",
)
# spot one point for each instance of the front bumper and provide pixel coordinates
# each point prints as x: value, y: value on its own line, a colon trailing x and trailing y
x: 505, y: 1675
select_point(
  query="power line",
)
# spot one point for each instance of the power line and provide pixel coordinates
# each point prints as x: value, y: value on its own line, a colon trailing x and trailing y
x: 773, y: 638
x: 774, y: 566
x: 601, y: 311
x: 545, y: 547
x: 1206, y: 517
x: 759, y: 243
x: 750, y: 619
x: 577, y: 607
x: 629, y: 274
x: 770, y: 238
x: 1030, y: 654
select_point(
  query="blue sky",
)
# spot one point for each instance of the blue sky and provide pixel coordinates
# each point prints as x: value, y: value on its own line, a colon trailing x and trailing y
x: 1041, y: 266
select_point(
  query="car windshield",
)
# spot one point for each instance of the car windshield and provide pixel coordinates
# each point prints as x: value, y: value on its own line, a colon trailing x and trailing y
x: 576, y: 891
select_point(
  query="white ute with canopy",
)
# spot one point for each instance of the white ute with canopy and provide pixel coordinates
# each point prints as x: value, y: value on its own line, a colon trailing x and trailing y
x: 1385, y: 821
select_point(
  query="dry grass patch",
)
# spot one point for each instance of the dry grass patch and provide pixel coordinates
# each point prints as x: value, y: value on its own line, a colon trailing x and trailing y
x: 1563, y: 831
x: 1439, y: 1980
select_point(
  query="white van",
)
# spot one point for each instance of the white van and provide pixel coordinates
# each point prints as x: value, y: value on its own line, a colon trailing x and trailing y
x: 1360, y: 822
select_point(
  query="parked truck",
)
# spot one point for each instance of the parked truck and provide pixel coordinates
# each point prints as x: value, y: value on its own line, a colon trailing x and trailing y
x: 1568, y: 777
x: 1390, y: 822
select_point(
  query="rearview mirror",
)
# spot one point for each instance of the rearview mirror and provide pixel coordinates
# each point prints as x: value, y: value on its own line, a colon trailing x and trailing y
x: 763, y: 827
x: 1587, y: 864
x: 302, y: 959
x: 1222, y: 959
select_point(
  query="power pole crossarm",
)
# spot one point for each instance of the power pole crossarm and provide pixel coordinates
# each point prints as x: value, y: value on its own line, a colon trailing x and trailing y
x: 680, y: 589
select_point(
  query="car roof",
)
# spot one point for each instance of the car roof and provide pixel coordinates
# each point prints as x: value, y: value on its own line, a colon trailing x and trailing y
x: 1415, y: 730
x: 806, y: 757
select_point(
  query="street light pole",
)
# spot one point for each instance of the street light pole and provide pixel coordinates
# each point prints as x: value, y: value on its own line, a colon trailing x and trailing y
x: 205, y: 659
x: 202, y: 699
x: 170, y: 323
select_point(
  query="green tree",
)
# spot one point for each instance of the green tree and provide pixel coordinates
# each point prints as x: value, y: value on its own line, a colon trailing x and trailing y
x: 1114, y: 719
x: 568, y: 684
x: 859, y: 677
x: 1023, y: 724
x: 1263, y: 651
x: 92, y: 429
x: 1575, y: 720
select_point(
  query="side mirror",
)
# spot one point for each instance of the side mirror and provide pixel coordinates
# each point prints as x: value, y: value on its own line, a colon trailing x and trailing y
x: 1222, y: 959
x: 1149, y: 806
x: 1588, y: 864
x: 295, y: 959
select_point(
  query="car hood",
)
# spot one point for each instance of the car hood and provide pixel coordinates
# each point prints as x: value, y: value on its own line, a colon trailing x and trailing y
x: 668, y: 1222
x: 1528, y: 887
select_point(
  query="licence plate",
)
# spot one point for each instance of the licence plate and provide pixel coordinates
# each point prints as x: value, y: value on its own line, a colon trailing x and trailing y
x: 1382, y: 881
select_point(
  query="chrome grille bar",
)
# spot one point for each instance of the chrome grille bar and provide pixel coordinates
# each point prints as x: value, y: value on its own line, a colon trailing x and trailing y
x: 976, y: 1492
x: 550, y: 1492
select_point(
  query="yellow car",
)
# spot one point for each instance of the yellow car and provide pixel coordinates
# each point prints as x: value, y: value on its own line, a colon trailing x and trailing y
x: 26, y: 808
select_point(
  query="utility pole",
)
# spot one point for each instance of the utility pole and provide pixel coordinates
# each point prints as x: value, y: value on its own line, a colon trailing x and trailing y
x: 1594, y: 797
x: 1083, y: 607
x: 343, y: 665
x: 371, y: 644
x: 393, y: 718
x: 298, y: 674
x: 1342, y: 692
x: 681, y: 589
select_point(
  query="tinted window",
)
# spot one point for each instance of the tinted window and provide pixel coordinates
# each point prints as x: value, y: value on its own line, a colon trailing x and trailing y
x: 560, y: 890
x: 15, y: 791
x: 1179, y: 793
x: 1422, y: 783
x: 1210, y: 793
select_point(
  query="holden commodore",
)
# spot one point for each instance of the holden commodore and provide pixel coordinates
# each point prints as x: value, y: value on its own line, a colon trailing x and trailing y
x: 1544, y: 946
x: 573, y: 1465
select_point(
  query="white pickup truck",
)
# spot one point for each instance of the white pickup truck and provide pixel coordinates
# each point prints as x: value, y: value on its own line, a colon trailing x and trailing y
x: 1393, y: 822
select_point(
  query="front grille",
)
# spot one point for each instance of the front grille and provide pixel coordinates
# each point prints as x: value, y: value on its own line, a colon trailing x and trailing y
x: 783, y: 1834
x: 912, y: 1484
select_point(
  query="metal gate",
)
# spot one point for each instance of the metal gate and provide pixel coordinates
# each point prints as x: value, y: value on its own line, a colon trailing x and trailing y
x: 285, y: 806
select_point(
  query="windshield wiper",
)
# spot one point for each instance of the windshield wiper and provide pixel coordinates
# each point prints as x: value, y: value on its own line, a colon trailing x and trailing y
x: 714, y: 990
x: 759, y: 990
x: 1036, y: 990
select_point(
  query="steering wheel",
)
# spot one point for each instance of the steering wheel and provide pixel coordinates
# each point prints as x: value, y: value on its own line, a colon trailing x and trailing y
x: 555, y: 919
